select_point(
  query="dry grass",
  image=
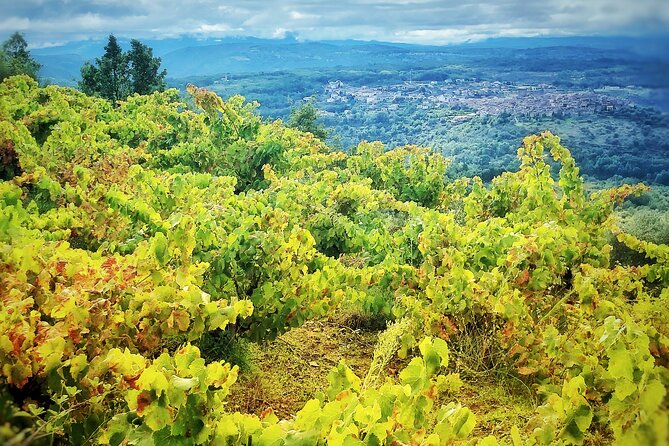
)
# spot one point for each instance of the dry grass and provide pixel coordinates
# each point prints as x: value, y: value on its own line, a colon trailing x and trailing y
x: 498, y: 405
x: 284, y: 374
x: 289, y: 371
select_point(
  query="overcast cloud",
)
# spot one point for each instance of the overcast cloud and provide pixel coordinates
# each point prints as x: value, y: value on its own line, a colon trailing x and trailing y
x: 48, y: 22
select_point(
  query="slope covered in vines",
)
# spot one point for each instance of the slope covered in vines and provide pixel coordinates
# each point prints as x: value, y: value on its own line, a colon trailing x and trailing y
x: 128, y: 234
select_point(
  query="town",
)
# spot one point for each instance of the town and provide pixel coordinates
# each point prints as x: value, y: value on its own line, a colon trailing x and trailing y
x: 474, y: 97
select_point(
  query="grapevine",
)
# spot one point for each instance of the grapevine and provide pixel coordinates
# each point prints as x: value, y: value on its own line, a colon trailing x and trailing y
x: 128, y: 234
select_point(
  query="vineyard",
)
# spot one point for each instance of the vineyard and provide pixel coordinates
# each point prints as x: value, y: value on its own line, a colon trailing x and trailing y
x: 134, y: 237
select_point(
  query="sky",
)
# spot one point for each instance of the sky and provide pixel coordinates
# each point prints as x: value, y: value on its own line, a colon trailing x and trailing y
x: 53, y: 22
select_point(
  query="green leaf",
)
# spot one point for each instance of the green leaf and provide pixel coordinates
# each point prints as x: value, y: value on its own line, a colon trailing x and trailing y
x: 414, y: 375
x: 624, y: 388
x: 151, y: 379
x: 308, y: 416
x: 583, y: 417
x: 156, y: 417
x: 651, y: 398
x: 572, y: 433
x: 435, y: 354
x: 271, y: 436
x: 515, y: 436
x: 159, y: 248
x: 184, y: 383
x: 367, y: 415
x: 620, y: 364
x: 490, y: 440
x: 342, y: 378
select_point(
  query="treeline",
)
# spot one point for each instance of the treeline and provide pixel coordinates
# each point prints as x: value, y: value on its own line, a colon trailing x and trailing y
x: 16, y: 59
x: 114, y: 76
x: 118, y: 74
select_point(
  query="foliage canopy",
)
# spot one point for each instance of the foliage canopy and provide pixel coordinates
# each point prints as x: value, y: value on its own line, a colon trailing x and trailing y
x: 124, y: 228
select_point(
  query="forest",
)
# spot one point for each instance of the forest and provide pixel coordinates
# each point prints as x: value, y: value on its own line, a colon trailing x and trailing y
x: 152, y: 250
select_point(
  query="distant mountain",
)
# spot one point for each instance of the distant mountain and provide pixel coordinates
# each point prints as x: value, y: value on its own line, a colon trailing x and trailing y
x: 90, y: 49
x: 185, y: 57
x: 274, y: 56
x: 650, y: 46
x: 61, y: 69
x: 190, y: 57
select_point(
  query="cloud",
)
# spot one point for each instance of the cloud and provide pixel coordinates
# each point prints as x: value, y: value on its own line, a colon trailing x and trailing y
x: 425, y: 21
x: 297, y: 15
x: 213, y: 28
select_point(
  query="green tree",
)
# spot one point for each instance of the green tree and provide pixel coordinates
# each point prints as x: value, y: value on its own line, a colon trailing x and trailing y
x: 118, y: 74
x: 16, y: 59
x: 113, y: 72
x: 305, y: 117
x: 5, y: 71
x: 144, y: 69
x: 89, y: 78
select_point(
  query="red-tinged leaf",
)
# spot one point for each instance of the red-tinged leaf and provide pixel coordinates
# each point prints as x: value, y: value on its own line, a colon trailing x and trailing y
x: 17, y: 340
x: 75, y: 335
x: 60, y: 267
x: 342, y: 395
x: 516, y: 349
x: 109, y: 262
x: 19, y: 375
x: 181, y: 319
x: 449, y: 326
x: 129, y: 274
x: 509, y: 329
x: 523, y: 359
x: 143, y: 400
x: 523, y: 278
x: 431, y: 393
x: 132, y: 381
x: 654, y: 349
x: 267, y: 414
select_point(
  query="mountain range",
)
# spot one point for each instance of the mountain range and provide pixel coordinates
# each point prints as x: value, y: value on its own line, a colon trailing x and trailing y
x: 189, y: 56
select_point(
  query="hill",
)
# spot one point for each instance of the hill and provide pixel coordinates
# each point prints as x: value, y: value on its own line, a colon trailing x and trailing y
x: 143, y: 247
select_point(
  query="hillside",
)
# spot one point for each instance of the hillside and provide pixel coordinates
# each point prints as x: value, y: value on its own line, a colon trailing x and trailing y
x: 149, y: 252
x: 472, y: 103
x: 606, y: 97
